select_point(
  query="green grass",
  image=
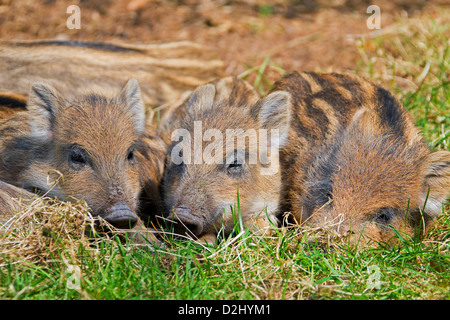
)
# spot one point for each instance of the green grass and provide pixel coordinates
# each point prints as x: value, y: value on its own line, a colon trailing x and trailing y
x: 413, y: 60
x: 288, y: 264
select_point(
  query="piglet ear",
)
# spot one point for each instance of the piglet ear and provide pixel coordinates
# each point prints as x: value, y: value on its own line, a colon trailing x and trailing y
x: 364, y: 123
x: 130, y: 94
x: 43, y: 103
x: 275, y: 113
x: 436, y: 182
x: 201, y: 99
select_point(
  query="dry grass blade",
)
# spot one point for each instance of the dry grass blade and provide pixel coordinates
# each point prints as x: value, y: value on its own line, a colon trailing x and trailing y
x: 47, y: 230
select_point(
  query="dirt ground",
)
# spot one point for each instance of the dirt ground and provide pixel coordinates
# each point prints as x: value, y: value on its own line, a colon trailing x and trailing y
x: 298, y: 35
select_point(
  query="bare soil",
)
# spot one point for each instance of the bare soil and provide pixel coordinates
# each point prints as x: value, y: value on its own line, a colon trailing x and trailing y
x: 314, y: 35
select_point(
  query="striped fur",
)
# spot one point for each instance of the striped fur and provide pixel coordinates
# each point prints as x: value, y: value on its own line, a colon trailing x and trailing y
x: 355, y: 160
x: 164, y: 70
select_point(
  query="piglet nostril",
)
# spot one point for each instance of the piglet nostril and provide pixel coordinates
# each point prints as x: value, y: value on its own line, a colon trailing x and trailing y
x: 121, y: 216
x: 186, y: 220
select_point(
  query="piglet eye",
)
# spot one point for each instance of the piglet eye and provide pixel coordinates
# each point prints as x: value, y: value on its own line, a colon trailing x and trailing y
x: 235, y: 164
x: 385, y: 215
x: 130, y: 155
x: 78, y: 157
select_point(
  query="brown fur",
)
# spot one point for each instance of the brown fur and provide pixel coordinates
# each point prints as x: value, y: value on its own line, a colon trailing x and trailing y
x: 355, y: 160
x: 11, y: 103
x: 199, y: 196
x: 94, y: 147
x: 30, y: 150
x: 164, y: 70
x: 11, y: 200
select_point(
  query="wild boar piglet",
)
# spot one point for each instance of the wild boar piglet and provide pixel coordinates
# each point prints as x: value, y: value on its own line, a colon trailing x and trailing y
x: 355, y: 161
x: 91, y: 147
x: 222, y: 164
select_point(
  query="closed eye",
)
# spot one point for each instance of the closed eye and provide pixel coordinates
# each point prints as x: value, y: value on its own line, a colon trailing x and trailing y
x: 385, y: 216
x: 235, y: 164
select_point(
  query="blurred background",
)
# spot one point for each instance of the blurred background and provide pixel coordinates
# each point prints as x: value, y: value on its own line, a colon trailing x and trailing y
x: 313, y: 35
